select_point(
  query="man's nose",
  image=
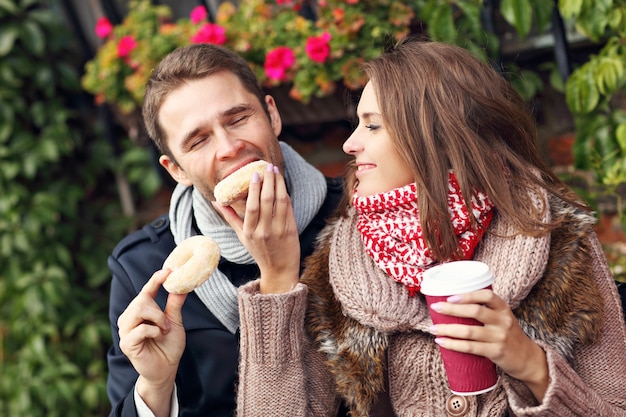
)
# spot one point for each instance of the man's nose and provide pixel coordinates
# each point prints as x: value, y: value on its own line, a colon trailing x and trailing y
x: 227, y: 145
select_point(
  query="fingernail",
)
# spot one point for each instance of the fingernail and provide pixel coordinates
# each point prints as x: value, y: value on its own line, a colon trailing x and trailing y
x: 440, y: 341
x: 276, y: 171
x: 270, y: 167
x: 436, y: 306
x: 255, y: 177
x: 433, y: 329
x: 454, y: 299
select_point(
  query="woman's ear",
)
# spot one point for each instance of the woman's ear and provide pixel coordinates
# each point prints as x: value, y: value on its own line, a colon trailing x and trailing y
x: 174, y: 170
x: 275, y: 120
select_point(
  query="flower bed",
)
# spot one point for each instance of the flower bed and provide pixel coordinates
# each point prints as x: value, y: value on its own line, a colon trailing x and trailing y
x: 311, y: 55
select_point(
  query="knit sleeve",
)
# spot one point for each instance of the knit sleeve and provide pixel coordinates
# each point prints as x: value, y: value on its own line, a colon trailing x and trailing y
x: 279, y: 373
x: 592, y: 383
x: 567, y: 394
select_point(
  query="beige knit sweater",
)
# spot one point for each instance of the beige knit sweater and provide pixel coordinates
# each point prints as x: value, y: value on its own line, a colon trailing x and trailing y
x: 299, y: 363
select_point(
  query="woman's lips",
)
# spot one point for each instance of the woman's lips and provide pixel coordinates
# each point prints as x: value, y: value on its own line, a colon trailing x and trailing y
x: 363, y: 168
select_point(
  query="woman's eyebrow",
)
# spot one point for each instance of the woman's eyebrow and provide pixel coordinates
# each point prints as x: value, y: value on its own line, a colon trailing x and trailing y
x: 368, y: 115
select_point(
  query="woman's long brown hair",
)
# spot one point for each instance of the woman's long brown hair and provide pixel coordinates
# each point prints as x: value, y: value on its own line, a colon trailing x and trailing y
x: 445, y: 109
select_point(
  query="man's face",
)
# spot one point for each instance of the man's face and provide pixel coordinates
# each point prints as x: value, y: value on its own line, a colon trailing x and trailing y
x: 213, y: 126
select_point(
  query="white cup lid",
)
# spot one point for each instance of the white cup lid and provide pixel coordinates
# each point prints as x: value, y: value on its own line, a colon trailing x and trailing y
x: 457, y: 277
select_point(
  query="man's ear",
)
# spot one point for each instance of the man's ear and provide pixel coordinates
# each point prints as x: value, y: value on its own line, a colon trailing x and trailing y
x: 275, y: 120
x: 174, y: 170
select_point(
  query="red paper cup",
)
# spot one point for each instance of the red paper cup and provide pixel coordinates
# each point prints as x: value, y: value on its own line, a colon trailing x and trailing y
x: 468, y: 374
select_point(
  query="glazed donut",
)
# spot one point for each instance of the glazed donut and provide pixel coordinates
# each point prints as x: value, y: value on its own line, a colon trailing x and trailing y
x: 235, y: 186
x: 192, y: 262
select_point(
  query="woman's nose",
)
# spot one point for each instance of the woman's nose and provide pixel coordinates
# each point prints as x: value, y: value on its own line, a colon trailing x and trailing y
x: 351, y: 146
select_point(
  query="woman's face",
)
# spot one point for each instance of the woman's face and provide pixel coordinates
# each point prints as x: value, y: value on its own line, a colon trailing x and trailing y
x: 379, y: 165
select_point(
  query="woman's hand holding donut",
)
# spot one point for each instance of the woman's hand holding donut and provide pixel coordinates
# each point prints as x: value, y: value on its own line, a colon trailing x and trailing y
x: 501, y: 339
x: 269, y: 232
x: 154, y: 340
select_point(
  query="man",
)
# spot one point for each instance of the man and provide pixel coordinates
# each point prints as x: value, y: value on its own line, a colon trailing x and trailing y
x: 178, y: 354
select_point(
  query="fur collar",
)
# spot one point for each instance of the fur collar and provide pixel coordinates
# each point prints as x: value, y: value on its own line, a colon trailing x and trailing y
x: 563, y: 309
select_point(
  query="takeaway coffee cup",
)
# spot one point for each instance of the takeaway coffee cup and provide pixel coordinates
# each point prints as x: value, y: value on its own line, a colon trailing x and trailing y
x: 468, y: 374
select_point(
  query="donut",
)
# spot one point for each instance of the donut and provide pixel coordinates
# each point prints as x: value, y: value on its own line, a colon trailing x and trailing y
x: 192, y: 262
x: 235, y: 186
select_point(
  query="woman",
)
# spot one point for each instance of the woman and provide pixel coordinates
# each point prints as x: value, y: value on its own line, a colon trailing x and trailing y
x: 446, y: 167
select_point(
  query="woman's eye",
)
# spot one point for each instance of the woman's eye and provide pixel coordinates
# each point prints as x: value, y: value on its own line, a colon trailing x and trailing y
x: 372, y: 126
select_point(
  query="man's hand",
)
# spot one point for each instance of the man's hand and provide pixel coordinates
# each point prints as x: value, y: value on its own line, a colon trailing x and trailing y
x: 154, y: 340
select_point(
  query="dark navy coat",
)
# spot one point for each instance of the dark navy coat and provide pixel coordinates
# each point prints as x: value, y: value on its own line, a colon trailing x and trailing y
x: 206, y: 376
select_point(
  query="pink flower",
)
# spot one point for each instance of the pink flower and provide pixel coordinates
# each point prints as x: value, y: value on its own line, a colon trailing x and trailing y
x: 284, y: 2
x: 198, y: 14
x: 125, y: 46
x: 278, y: 61
x: 103, y: 27
x: 317, y: 47
x: 210, y: 33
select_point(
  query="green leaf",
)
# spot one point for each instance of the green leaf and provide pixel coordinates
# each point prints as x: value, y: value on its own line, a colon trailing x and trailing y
x: 27, y: 3
x: 8, y: 35
x: 7, y: 121
x: 608, y: 73
x: 581, y: 93
x: 8, y: 6
x: 594, y: 19
x: 616, y: 18
x: 570, y: 8
x: 8, y: 77
x: 605, y: 143
x: 587, y: 126
x: 518, y: 13
x: 48, y: 150
x: 45, y: 17
x: 472, y: 20
x: 528, y: 84
x: 90, y: 395
x: 39, y: 114
x: 29, y: 165
x: 44, y: 78
x: 620, y: 135
x: 69, y: 78
x: 556, y: 80
x: 9, y: 170
x: 441, y: 23
x: 33, y: 37
x: 542, y: 11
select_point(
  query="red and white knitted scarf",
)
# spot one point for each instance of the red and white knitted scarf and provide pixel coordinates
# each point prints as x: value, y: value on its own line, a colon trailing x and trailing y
x: 392, y: 234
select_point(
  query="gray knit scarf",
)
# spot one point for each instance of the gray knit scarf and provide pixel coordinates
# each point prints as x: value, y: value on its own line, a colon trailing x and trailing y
x: 307, y: 189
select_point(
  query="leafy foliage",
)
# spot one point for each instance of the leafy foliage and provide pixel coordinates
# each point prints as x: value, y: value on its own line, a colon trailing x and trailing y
x: 59, y: 219
x: 595, y: 92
